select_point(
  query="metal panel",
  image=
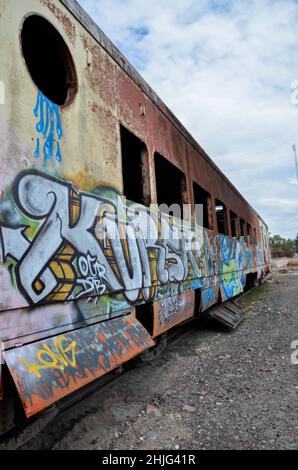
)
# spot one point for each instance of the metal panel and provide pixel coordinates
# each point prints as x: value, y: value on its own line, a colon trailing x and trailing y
x: 171, y: 311
x: 209, y: 297
x: 46, y: 371
x: 27, y: 325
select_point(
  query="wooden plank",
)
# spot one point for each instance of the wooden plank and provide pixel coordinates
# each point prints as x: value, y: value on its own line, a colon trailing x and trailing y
x: 229, y: 314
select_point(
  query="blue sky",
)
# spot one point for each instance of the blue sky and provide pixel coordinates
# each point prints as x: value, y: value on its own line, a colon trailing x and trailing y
x: 225, y: 68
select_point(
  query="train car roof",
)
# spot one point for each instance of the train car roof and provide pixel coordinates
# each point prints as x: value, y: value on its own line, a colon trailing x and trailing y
x: 87, y: 22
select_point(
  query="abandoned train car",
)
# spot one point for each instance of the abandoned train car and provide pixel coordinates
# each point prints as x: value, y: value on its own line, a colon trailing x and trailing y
x: 93, y: 270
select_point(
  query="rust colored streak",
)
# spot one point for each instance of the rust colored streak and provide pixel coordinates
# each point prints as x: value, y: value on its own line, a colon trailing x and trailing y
x: 101, y: 72
x: 68, y: 26
x: 46, y: 371
x: 105, y: 116
x: 170, y: 311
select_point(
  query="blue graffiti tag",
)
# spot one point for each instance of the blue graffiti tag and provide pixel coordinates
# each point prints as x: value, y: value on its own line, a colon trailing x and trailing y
x: 49, y: 127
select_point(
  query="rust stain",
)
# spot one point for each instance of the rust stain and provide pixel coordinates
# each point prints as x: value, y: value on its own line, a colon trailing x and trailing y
x: 84, y: 180
x: 101, y: 72
x: 67, y: 24
x: 105, y: 116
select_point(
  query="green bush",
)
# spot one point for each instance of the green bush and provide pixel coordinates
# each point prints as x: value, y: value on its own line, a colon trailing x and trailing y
x: 283, y: 247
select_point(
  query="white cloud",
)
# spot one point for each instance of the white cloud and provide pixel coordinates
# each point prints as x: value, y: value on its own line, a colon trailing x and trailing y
x: 294, y: 182
x: 225, y: 68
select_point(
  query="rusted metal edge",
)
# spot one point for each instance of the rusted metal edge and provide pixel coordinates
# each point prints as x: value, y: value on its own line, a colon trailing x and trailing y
x: 86, y: 21
x: 46, y: 371
x: 77, y: 314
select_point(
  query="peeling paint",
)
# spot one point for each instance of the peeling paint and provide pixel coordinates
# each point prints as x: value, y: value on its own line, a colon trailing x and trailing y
x: 63, y: 18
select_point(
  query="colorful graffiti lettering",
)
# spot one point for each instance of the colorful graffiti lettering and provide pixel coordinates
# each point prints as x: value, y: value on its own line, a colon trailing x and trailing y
x: 170, y: 306
x: 58, y: 357
x: 49, y: 128
x: 92, y: 280
x: 175, y: 306
x: 209, y: 297
x: 80, y: 245
x: 57, y: 366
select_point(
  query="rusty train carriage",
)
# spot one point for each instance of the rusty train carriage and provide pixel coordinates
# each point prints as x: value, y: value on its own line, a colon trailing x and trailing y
x: 83, y: 286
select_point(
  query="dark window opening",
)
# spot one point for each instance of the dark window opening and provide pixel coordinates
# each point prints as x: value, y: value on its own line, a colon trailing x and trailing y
x: 48, y: 60
x: 255, y: 235
x: 202, y: 197
x: 242, y: 228
x: 170, y: 183
x: 135, y: 168
x: 221, y: 216
x: 144, y: 314
x: 248, y: 232
x: 198, y: 302
x: 234, y: 224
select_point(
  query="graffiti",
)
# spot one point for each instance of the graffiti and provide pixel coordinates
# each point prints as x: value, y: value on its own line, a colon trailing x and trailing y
x: 74, y: 245
x: 92, y: 280
x: 170, y: 306
x: 231, y: 264
x: 209, y: 297
x: 47, y: 200
x: 176, y: 304
x: 57, y: 366
x: 58, y: 357
x: 49, y: 128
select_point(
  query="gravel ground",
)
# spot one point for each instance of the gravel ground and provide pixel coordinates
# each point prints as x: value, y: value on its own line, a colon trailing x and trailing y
x: 212, y: 389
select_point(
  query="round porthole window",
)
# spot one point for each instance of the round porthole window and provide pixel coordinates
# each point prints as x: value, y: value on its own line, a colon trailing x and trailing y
x: 48, y: 60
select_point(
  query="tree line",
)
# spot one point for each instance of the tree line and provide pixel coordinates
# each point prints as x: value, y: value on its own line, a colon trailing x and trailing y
x: 283, y: 247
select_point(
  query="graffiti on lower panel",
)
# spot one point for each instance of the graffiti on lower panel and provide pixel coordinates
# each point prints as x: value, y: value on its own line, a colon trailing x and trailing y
x: 209, y: 296
x: 61, y: 355
x: 170, y: 307
x: 49, y: 370
x: 174, y: 306
x: 70, y: 244
x: 231, y: 259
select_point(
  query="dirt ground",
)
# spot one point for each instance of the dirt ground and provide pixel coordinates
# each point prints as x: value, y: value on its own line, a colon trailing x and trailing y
x: 282, y: 263
x: 212, y: 389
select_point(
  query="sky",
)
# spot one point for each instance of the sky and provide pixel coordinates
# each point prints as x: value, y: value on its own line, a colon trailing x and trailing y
x: 227, y: 69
